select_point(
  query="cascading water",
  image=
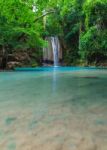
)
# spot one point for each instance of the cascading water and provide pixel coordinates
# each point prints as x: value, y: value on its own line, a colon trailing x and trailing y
x: 55, y: 47
x: 52, y: 53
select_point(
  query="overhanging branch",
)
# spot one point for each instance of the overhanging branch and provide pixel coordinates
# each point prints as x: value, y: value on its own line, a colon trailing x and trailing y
x: 47, y: 13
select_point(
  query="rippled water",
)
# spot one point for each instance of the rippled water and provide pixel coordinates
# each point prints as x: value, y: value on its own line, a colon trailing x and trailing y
x: 54, y: 110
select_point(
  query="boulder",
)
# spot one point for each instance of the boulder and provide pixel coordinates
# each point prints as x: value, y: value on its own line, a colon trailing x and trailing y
x: 13, y: 64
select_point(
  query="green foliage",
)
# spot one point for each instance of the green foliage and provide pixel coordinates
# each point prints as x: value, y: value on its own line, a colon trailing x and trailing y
x: 94, y: 38
x: 94, y: 42
x: 95, y: 12
x: 18, y: 29
x: 82, y: 25
x: 53, y: 26
x: 70, y: 57
x: 17, y: 25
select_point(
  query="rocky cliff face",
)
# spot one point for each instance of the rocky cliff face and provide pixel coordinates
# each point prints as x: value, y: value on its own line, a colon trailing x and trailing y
x: 20, y: 59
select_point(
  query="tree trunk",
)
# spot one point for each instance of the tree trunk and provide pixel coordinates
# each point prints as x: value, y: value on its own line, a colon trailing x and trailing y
x: 80, y: 31
x: 4, y: 58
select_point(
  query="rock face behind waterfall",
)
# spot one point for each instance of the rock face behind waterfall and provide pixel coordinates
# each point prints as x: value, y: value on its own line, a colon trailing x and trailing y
x: 52, y: 54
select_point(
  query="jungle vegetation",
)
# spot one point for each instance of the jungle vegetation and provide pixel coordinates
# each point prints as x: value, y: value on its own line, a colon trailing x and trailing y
x: 81, y: 26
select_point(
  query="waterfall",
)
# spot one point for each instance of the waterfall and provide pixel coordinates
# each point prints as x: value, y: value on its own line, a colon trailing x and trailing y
x: 52, y: 53
x: 55, y: 47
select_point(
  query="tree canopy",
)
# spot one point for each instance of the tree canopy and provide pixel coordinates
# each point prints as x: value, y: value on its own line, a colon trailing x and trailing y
x: 81, y: 26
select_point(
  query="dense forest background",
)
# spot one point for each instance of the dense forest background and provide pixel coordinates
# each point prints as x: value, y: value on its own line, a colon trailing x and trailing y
x: 81, y: 26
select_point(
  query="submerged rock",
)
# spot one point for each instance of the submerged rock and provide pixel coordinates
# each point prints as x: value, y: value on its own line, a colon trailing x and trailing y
x: 87, y: 144
x: 10, y: 120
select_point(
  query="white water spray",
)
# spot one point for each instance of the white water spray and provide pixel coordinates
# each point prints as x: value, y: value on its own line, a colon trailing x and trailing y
x: 55, y: 48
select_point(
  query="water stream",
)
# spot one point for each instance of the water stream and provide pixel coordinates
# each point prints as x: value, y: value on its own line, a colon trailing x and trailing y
x: 55, y: 47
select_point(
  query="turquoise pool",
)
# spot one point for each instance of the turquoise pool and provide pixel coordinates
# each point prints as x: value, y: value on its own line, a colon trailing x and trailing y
x: 56, y: 68
x: 47, y: 108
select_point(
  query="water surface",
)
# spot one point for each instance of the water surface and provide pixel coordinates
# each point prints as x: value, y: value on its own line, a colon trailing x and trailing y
x: 53, y: 110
